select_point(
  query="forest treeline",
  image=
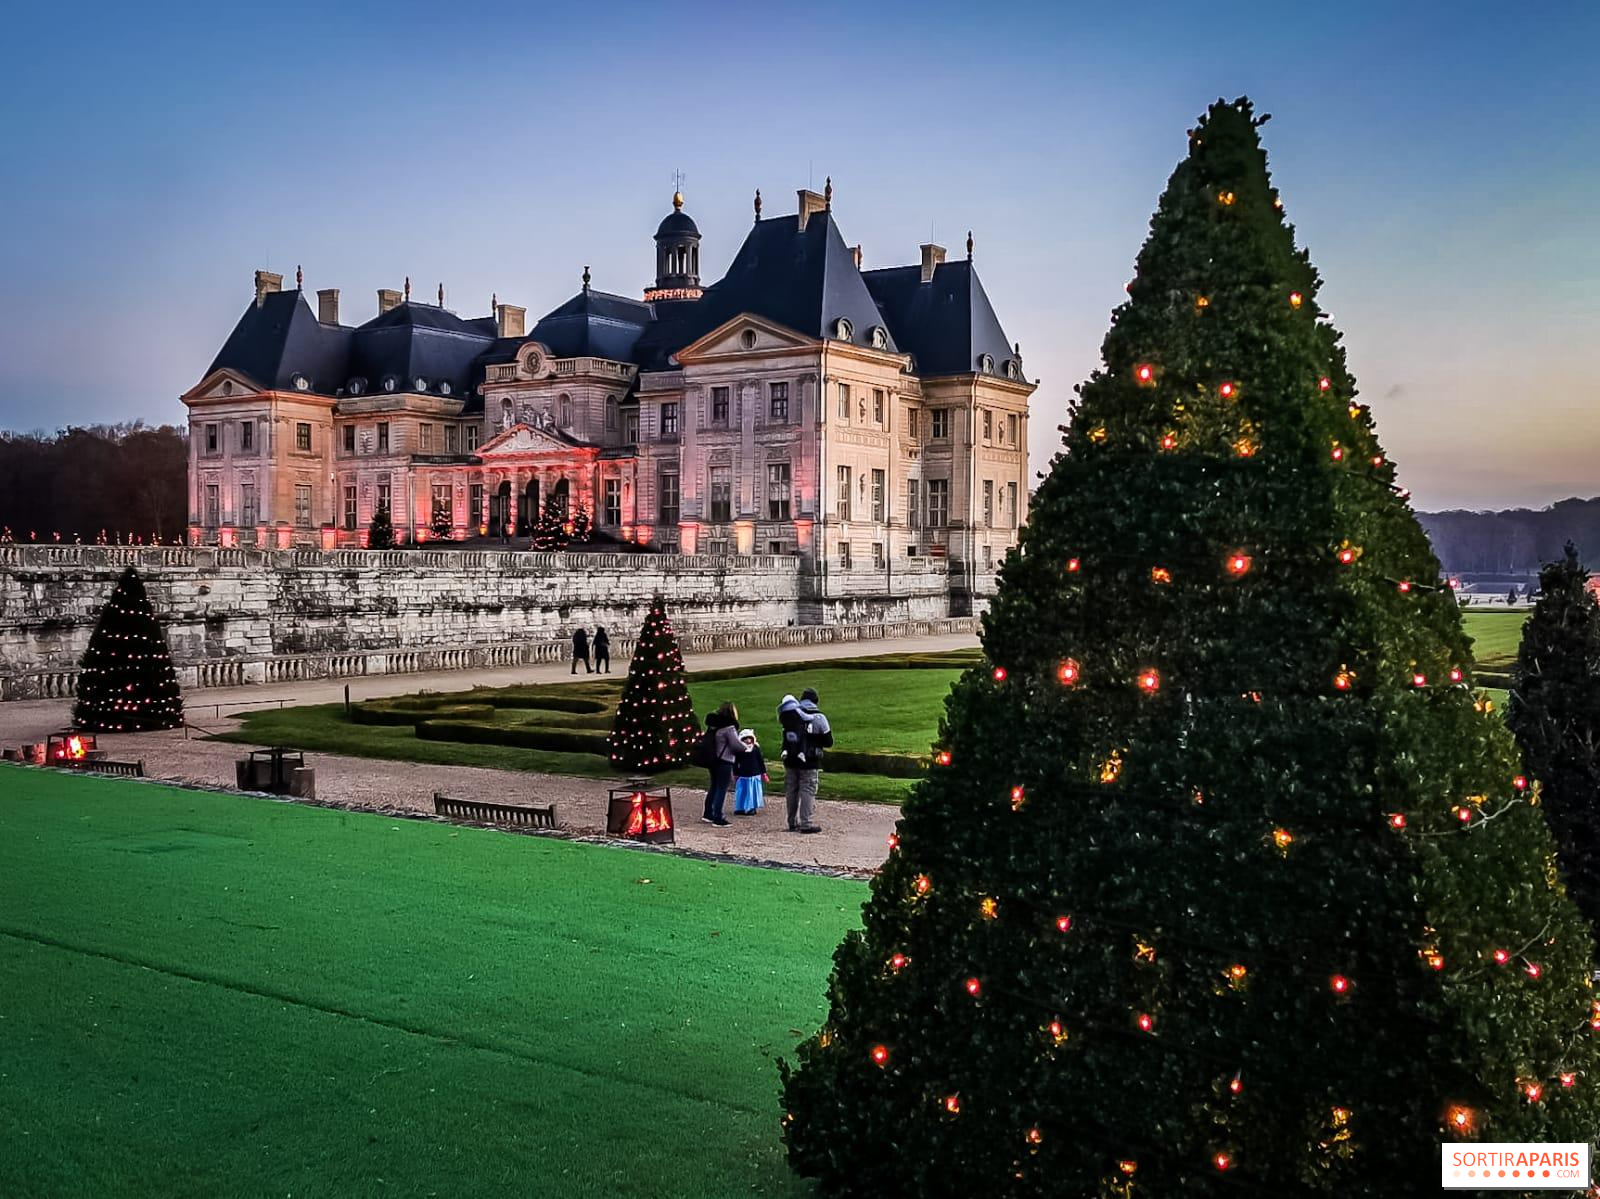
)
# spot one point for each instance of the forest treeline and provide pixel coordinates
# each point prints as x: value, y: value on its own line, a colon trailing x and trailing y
x: 1514, y: 541
x: 113, y: 482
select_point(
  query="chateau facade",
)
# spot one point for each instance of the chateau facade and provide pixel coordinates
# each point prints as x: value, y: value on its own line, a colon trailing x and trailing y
x: 800, y: 405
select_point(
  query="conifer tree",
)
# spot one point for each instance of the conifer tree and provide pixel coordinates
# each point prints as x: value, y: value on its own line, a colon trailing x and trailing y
x: 381, y: 535
x: 440, y: 522
x: 550, y: 533
x: 126, y: 683
x: 582, y: 525
x: 1555, y: 715
x: 655, y: 727
x: 1225, y: 881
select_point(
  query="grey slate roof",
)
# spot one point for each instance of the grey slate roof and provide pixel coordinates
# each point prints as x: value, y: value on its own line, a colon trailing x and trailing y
x: 946, y: 324
x: 282, y: 338
x: 595, y: 324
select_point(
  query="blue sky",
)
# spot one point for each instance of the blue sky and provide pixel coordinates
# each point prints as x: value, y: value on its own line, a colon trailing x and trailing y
x: 1439, y: 161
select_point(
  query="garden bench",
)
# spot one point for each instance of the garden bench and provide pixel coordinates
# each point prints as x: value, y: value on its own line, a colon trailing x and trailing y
x: 132, y: 770
x: 483, y: 812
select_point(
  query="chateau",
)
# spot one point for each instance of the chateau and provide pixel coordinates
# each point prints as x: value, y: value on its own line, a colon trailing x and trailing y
x: 858, y: 419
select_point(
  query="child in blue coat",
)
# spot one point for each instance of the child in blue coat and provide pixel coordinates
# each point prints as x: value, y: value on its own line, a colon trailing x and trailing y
x: 750, y: 771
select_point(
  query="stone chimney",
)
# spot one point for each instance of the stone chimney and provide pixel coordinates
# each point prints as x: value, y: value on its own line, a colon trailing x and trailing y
x: 810, y: 202
x: 266, y: 281
x: 388, y: 298
x: 328, y: 305
x: 511, y: 320
x: 856, y: 254
x: 932, y: 256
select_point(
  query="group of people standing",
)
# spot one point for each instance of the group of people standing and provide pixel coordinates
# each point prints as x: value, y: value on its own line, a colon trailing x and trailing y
x: 602, y: 651
x: 733, y: 759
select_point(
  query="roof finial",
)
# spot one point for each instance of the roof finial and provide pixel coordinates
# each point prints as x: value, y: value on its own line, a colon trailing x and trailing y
x: 494, y: 302
x: 969, y: 245
x: 441, y: 295
x: 585, y: 278
x: 299, y: 279
x: 758, y: 203
x: 677, y: 191
x: 408, y: 289
x: 827, y: 194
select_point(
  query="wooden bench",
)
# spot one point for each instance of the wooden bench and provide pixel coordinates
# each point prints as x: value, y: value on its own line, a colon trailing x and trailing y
x: 131, y: 770
x: 483, y: 812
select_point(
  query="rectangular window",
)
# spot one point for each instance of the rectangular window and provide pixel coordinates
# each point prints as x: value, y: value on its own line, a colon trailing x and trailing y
x: 877, y: 405
x: 941, y: 424
x: 211, y: 439
x: 383, y: 437
x: 913, y: 507
x: 938, y: 503
x: 844, y: 555
x: 213, y: 506
x: 667, y: 494
x: 988, y: 503
x: 443, y: 505
x: 383, y: 494
x: 669, y: 420
x: 1011, y: 428
x: 349, y: 507
x: 473, y: 433
x: 247, y: 435
x: 630, y: 426
x: 775, y: 548
x: 1011, y: 503
x: 721, y: 494
x: 777, y: 491
x: 475, y: 510
x: 302, y: 504
x: 452, y: 441
x: 779, y: 410
x: 425, y: 438
x: 719, y: 405
x: 877, y: 554
x: 247, y: 504
x: 302, y: 437
x: 844, y: 401
x: 613, y: 503
x: 877, y: 496
x: 843, y: 498
x: 349, y: 439
x: 988, y: 424
x: 911, y: 424
x: 988, y: 557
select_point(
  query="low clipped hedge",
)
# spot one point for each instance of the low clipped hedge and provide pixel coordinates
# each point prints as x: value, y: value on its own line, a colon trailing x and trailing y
x: 894, y: 766
x: 387, y: 712
x: 563, y: 740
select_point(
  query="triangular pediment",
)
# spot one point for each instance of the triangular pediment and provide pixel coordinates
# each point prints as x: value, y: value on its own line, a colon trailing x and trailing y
x: 224, y: 383
x: 744, y: 334
x: 521, y: 439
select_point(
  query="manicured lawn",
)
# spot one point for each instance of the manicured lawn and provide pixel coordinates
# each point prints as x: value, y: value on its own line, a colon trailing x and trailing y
x: 207, y: 995
x: 894, y: 711
x: 1495, y: 636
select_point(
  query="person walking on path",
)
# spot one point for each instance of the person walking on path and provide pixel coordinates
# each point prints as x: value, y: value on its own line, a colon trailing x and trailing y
x: 602, y: 649
x: 806, y: 734
x: 749, y: 772
x: 580, y: 651
x: 722, y: 748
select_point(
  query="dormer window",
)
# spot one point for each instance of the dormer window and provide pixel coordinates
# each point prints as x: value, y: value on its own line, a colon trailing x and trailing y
x: 1013, y: 371
x: 880, y: 337
x: 420, y: 383
x: 843, y: 329
x: 356, y: 386
x: 301, y: 383
x: 444, y: 388
x: 986, y: 363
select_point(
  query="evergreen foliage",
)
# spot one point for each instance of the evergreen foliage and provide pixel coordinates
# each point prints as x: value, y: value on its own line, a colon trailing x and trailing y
x: 550, y: 533
x: 126, y: 683
x: 440, y: 522
x: 655, y: 727
x: 1555, y: 715
x: 381, y: 535
x: 1226, y: 882
x: 582, y: 525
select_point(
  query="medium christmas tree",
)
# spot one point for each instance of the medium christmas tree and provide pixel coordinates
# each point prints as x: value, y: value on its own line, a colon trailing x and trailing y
x: 126, y: 683
x: 550, y: 533
x: 1226, y: 882
x: 582, y: 525
x: 1555, y: 715
x: 381, y: 535
x: 655, y: 728
x: 441, y: 521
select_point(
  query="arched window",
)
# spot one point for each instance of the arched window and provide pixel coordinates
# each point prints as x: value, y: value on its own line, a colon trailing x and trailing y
x: 505, y: 414
x: 564, y: 411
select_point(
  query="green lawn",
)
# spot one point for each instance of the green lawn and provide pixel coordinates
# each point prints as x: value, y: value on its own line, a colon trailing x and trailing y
x: 1495, y: 636
x: 213, y: 996
x: 896, y: 711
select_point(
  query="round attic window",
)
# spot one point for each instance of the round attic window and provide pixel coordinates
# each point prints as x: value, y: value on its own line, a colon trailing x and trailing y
x: 227, y: 387
x: 748, y: 339
x: 444, y: 388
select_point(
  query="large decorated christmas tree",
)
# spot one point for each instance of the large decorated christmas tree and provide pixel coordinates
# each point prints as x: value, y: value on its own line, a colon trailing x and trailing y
x: 1555, y: 715
x: 655, y: 728
x: 550, y: 533
x: 126, y: 683
x: 1226, y: 882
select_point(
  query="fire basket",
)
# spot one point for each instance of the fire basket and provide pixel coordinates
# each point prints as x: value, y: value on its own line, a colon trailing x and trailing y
x: 642, y: 814
x: 68, y: 749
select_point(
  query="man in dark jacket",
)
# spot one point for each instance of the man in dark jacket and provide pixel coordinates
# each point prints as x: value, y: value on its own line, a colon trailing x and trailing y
x: 580, y: 651
x: 806, y: 734
x: 602, y: 650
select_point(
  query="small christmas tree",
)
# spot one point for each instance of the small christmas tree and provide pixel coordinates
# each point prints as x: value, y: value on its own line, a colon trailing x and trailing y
x: 441, y: 524
x: 1555, y: 715
x: 381, y: 534
x: 126, y: 683
x: 655, y: 728
x: 582, y: 525
x: 1225, y: 881
x: 550, y: 533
